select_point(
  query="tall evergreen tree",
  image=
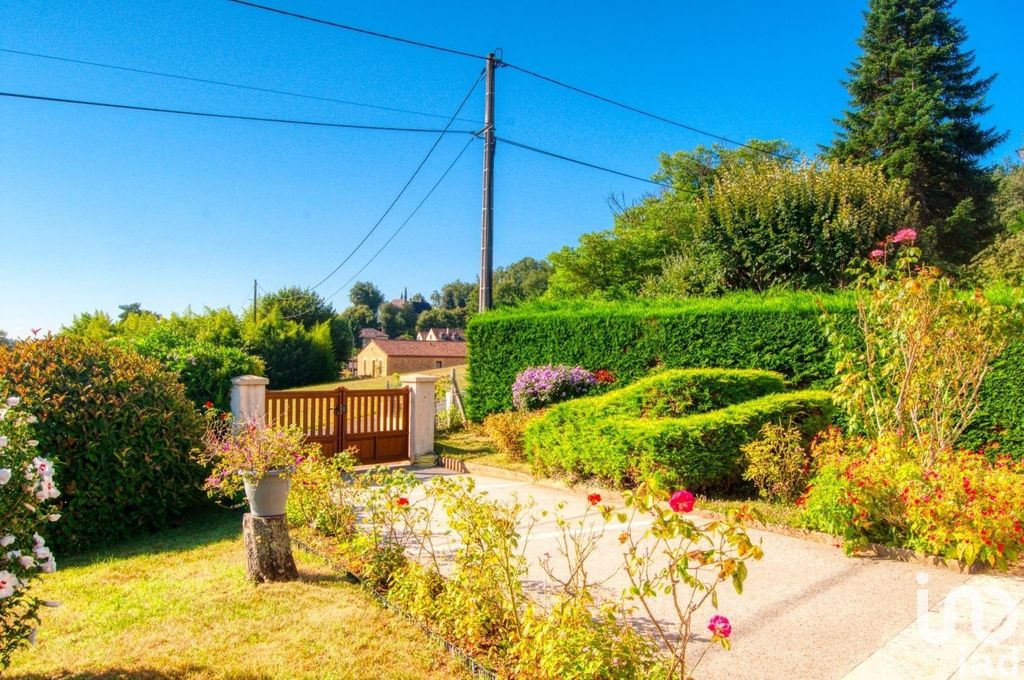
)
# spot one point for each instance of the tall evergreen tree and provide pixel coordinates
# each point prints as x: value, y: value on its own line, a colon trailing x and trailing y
x: 915, y: 100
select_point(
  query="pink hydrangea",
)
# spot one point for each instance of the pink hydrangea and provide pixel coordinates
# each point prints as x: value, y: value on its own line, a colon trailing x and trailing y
x: 681, y: 501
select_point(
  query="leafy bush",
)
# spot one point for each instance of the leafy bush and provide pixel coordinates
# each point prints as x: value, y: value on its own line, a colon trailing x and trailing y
x: 314, y: 497
x: 915, y: 363
x: 778, y: 462
x: 293, y: 354
x: 701, y: 451
x: 120, y: 429
x: 27, y: 489
x: 801, y: 227
x: 966, y: 506
x: 508, y: 430
x: 779, y: 333
x: 203, y: 368
x: 539, y: 386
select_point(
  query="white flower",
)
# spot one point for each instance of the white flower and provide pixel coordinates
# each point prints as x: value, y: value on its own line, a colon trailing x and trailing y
x: 49, y: 566
x: 6, y: 541
x: 33, y: 443
x: 42, y: 466
x: 12, y: 555
x: 13, y: 401
x: 3, y: 412
x: 8, y: 582
x: 38, y: 540
x: 3, y: 442
x: 47, y: 489
x: 26, y: 562
x: 31, y: 420
x: 53, y: 517
x: 41, y: 552
x: 5, y: 476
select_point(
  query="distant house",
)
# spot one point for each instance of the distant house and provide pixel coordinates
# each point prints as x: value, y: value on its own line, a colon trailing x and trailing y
x: 442, y: 335
x: 368, y: 334
x: 384, y: 357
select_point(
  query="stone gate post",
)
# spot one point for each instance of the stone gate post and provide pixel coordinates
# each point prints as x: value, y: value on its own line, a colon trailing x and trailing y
x: 421, y: 413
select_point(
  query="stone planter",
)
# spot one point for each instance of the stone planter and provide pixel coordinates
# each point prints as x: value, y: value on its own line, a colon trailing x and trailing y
x: 268, y: 495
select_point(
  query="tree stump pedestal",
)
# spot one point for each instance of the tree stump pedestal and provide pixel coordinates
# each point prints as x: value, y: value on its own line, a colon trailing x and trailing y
x: 268, y: 549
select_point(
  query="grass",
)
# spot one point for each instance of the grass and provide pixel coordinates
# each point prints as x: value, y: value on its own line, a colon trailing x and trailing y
x: 178, y: 605
x: 472, y: 444
x: 385, y: 381
x: 773, y: 512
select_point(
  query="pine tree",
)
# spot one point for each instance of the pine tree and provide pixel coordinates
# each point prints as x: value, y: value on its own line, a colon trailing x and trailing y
x: 915, y: 100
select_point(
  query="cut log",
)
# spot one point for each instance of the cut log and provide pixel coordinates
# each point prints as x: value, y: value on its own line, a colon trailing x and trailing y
x: 268, y: 549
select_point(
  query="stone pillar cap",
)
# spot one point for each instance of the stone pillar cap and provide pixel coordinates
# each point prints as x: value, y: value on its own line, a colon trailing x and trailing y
x: 250, y: 380
x: 418, y: 378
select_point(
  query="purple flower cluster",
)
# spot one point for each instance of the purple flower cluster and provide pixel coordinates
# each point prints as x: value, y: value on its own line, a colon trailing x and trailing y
x: 539, y: 386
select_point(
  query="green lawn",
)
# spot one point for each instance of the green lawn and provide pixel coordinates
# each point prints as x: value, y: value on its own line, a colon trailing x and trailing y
x: 384, y: 382
x: 177, y: 605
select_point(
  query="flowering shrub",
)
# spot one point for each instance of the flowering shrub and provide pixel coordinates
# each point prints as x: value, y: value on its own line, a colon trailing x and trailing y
x: 966, y: 506
x: 120, y: 431
x: 240, y: 451
x: 317, y: 497
x: 543, y: 385
x: 27, y: 490
x: 915, y: 364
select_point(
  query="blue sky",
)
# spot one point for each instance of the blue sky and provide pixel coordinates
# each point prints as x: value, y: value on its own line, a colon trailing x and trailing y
x: 100, y: 207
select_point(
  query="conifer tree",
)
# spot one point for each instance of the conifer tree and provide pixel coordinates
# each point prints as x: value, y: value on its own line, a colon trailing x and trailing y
x: 915, y: 102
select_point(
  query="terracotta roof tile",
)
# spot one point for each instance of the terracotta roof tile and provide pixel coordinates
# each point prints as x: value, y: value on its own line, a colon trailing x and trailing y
x: 420, y: 348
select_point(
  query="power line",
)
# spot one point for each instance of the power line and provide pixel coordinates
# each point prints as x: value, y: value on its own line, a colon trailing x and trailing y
x: 225, y: 83
x: 415, y: 172
x: 405, y: 222
x: 642, y: 112
x: 355, y: 29
x: 559, y: 156
x: 226, y: 116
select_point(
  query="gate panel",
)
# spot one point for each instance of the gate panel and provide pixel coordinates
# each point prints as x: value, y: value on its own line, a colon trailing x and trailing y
x: 375, y: 423
x: 314, y: 412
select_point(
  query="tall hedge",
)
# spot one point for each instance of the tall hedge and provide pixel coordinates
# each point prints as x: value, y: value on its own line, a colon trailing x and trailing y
x: 774, y: 332
x: 119, y: 429
x: 777, y: 333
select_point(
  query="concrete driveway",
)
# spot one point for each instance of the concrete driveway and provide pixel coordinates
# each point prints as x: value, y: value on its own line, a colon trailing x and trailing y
x: 809, y: 611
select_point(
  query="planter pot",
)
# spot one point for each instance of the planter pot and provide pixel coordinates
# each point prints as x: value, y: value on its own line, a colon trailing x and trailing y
x: 268, y: 495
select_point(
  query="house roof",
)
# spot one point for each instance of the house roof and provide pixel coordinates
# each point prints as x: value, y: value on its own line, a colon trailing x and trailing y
x: 420, y: 348
x: 372, y: 333
x: 446, y: 331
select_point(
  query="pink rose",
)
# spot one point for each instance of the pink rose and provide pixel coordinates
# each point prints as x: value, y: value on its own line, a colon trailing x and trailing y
x: 876, y: 254
x: 720, y: 626
x: 904, y: 235
x: 681, y: 501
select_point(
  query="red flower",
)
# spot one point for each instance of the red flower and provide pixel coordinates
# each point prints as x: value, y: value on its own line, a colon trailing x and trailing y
x: 402, y: 501
x: 681, y: 501
x: 594, y: 498
x: 208, y: 404
x: 720, y: 626
x: 603, y: 375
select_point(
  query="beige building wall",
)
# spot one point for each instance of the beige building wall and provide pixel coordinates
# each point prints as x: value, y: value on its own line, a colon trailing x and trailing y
x: 372, y: 361
x: 410, y: 364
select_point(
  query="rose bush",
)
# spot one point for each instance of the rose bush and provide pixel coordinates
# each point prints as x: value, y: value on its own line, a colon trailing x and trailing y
x: 27, y: 492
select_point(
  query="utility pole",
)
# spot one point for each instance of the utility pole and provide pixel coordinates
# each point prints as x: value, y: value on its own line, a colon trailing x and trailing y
x: 487, y: 218
x: 254, y: 300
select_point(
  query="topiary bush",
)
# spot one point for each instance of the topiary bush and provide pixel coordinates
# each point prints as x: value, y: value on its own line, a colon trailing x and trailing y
x: 120, y: 429
x: 684, y: 426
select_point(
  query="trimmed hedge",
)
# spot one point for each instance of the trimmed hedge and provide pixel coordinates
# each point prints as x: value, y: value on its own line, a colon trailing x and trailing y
x: 778, y: 333
x: 680, y: 392
x: 700, y: 451
x: 1000, y: 418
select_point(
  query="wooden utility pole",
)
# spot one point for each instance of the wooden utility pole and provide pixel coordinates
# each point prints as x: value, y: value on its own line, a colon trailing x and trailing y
x: 254, y: 300
x: 487, y: 218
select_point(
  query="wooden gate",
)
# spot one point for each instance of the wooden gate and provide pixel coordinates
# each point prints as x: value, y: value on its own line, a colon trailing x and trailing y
x: 373, y: 422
